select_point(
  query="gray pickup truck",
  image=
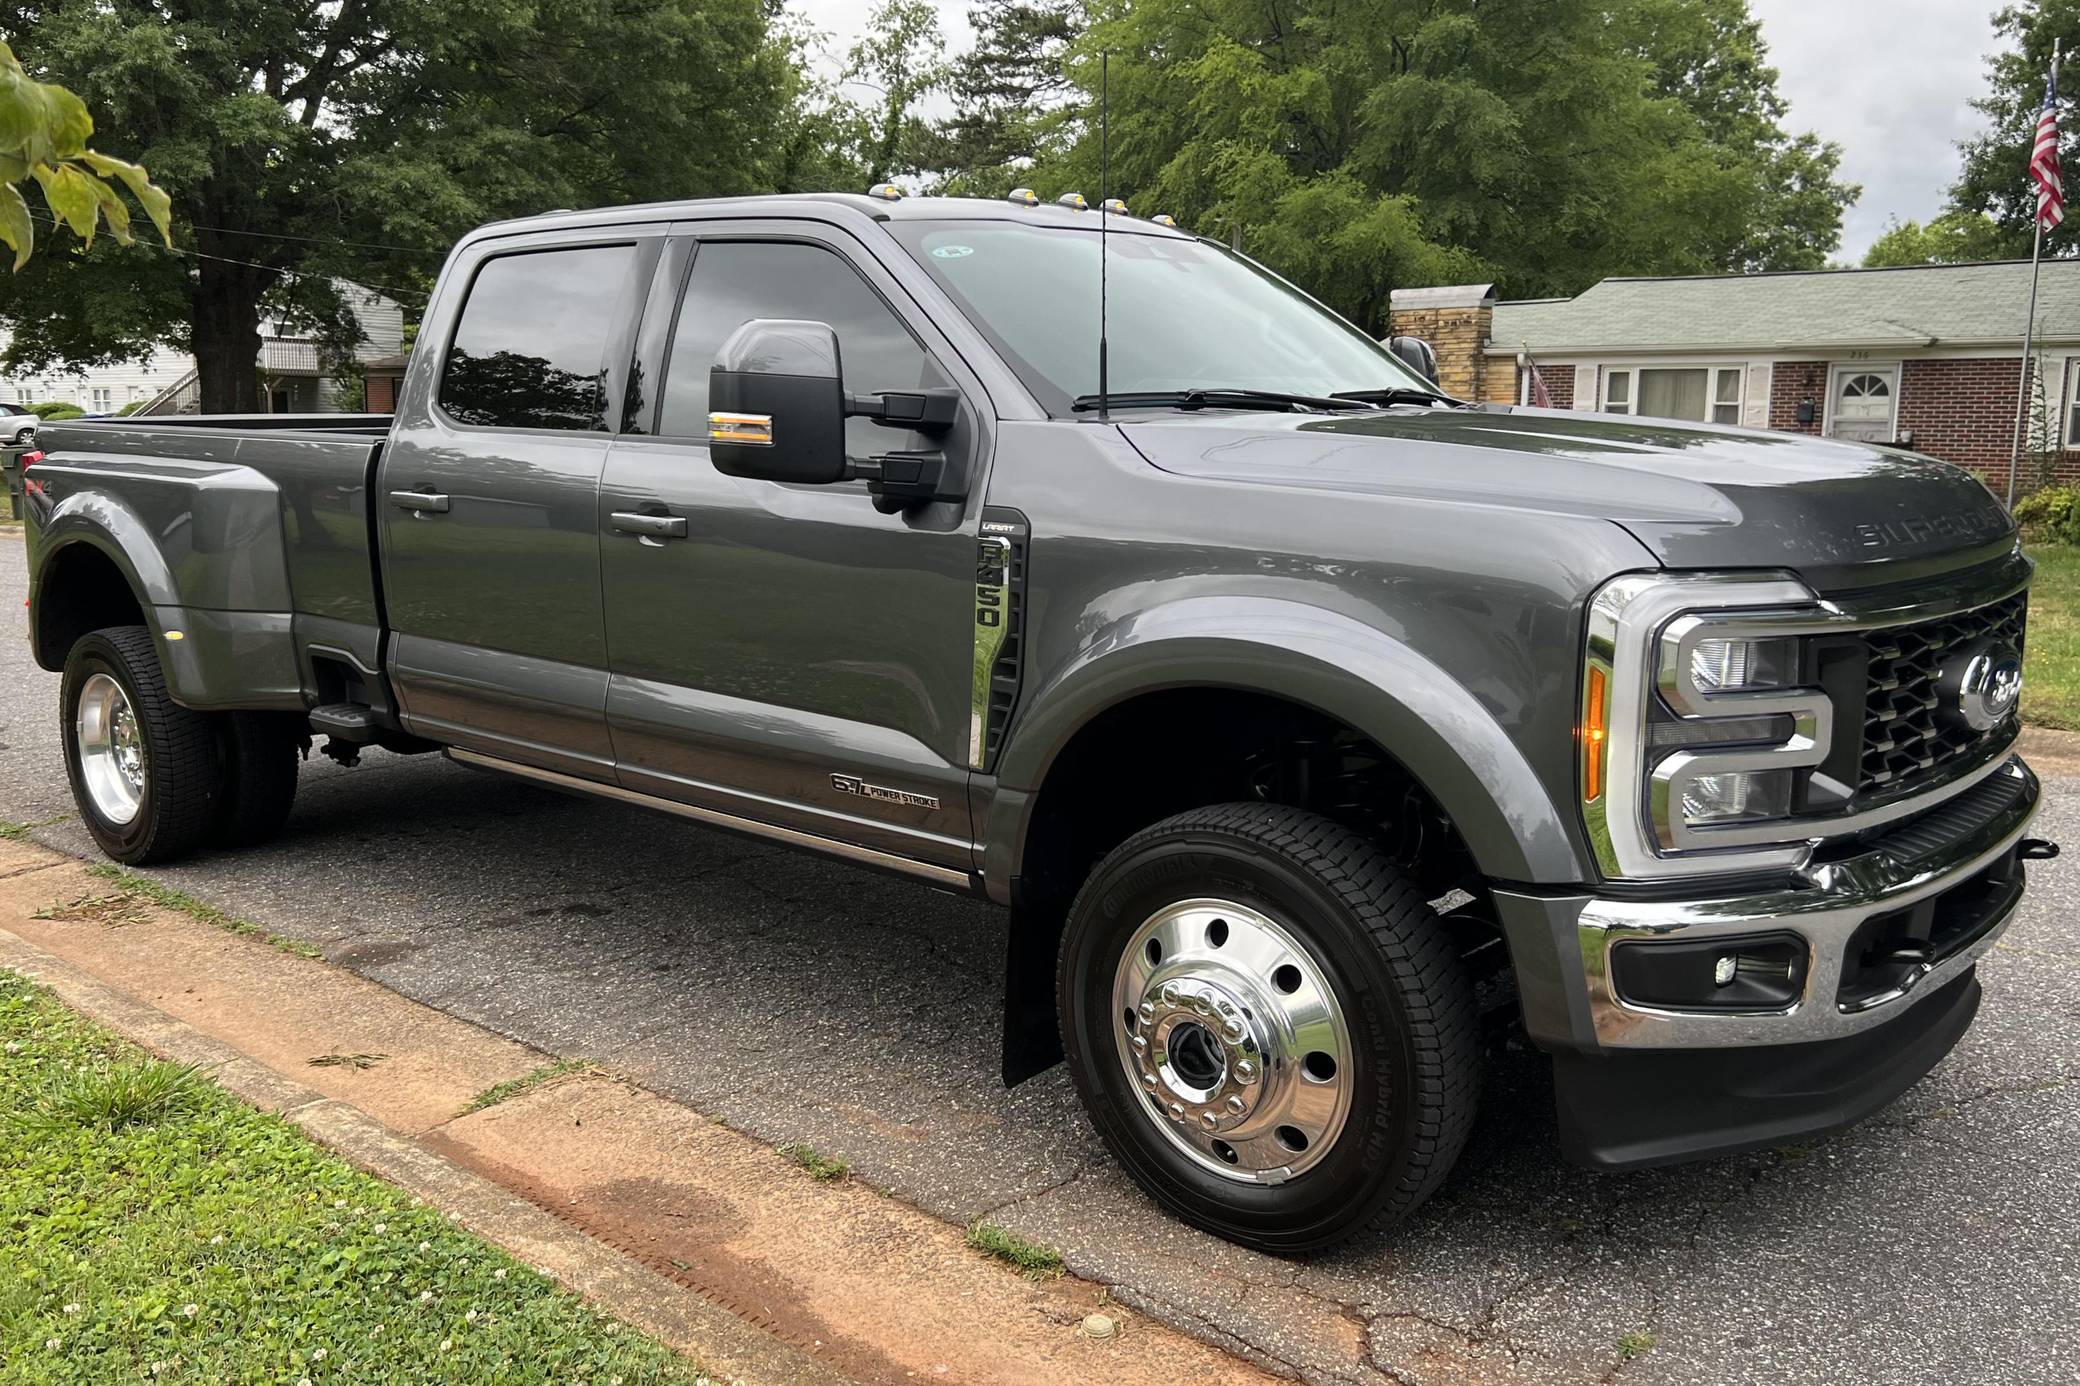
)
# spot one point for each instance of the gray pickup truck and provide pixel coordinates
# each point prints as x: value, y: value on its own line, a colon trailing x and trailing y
x: 1318, y: 731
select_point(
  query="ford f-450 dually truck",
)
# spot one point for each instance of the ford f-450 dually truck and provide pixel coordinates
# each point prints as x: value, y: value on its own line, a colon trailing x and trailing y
x: 1305, y: 719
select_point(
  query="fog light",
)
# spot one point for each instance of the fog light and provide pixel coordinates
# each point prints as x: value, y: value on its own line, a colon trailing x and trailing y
x: 1737, y: 797
x: 1751, y: 972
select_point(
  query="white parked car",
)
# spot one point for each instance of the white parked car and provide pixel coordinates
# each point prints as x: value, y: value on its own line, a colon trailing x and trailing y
x: 16, y: 426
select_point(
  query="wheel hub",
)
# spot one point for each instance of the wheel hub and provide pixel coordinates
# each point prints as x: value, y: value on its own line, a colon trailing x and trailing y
x: 110, y: 748
x: 1234, y: 1038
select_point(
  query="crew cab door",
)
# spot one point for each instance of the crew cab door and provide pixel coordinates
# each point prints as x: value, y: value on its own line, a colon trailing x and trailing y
x: 780, y: 652
x: 489, y: 498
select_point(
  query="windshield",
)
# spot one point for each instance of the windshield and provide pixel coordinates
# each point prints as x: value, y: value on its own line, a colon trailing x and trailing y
x: 1181, y: 314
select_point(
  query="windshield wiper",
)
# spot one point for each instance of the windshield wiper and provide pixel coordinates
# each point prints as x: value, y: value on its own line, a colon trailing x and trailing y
x: 1219, y: 398
x: 1401, y: 394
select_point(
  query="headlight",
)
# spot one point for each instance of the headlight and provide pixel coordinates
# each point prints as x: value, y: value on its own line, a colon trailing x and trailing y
x: 1697, y: 725
x: 1730, y: 666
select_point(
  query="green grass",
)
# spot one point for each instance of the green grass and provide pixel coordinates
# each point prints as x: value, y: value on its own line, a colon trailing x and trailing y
x: 133, y: 887
x: 154, y: 1228
x: 19, y: 832
x: 1032, y: 1260
x: 815, y: 1165
x: 2051, y: 663
x: 525, y: 1083
x: 1633, y: 1344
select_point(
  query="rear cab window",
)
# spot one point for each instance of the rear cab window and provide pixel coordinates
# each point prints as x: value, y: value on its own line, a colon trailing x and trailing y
x: 530, y: 347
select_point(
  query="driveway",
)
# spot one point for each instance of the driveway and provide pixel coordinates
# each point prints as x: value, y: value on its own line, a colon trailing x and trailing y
x: 801, y: 1000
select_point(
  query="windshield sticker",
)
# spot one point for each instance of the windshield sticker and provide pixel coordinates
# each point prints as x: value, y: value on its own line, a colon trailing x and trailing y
x: 952, y: 252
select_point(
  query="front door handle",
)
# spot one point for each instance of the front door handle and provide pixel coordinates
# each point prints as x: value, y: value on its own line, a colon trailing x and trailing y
x: 421, y: 501
x: 650, y: 526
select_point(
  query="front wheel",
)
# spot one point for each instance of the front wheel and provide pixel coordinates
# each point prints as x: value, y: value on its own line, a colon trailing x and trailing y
x: 145, y: 771
x: 1270, y: 1028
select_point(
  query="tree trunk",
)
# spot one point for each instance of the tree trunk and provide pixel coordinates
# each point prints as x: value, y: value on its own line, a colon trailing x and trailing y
x: 225, y: 319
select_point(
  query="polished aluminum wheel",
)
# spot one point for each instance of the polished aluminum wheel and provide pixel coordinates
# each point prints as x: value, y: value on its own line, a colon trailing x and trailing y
x: 1234, y: 1038
x: 111, y: 749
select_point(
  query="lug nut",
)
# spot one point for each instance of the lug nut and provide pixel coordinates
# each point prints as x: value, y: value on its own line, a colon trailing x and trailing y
x: 1148, y: 1080
x: 1246, y: 1072
x: 1209, y: 1119
x: 1237, y: 1105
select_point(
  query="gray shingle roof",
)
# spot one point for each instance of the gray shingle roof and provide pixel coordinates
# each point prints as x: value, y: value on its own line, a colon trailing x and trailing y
x: 1920, y: 306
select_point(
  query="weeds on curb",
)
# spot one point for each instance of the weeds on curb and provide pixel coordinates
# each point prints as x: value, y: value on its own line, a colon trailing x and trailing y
x: 814, y: 1165
x: 525, y: 1083
x: 1633, y: 1344
x: 346, y: 1060
x: 1030, y: 1259
x: 135, y: 1092
x: 166, y: 897
x: 19, y: 832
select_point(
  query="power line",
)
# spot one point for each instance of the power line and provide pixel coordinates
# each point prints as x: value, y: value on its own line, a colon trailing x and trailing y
x: 411, y: 294
x: 317, y: 240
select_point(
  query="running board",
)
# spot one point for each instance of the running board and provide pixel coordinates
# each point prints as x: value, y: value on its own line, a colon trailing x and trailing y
x: 751, y: 827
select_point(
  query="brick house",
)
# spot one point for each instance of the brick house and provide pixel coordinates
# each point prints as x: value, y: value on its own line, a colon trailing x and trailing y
x: 1928, y: 357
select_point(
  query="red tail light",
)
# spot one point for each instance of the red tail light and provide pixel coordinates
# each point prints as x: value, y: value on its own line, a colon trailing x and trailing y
x: 29, y: 459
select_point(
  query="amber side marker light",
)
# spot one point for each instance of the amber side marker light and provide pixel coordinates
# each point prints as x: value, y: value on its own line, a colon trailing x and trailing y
x: 1595, y: 732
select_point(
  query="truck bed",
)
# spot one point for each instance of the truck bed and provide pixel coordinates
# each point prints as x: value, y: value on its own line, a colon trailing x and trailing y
x: 264, y: 519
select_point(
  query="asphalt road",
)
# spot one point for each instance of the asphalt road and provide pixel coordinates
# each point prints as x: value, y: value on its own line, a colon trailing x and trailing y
x: 801, y: 1000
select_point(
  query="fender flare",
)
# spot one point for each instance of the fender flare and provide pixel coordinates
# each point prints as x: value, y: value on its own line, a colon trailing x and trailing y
x: 117, y: 533
x: 1332, y: 663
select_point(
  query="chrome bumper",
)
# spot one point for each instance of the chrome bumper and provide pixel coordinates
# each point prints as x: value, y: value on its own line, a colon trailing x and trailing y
x: 1825, y: 913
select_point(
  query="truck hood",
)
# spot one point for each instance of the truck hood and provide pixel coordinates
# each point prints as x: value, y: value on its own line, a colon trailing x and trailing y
x: 1697, y: 496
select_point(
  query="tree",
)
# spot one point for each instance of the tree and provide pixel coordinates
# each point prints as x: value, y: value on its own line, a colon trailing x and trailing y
x: 43, y: 136
x: 1949, y: 239
x: 1542, y: 143
x: 899, y: 58
x: 1995, y: 179
x: 304, y: 142
x: 1007, y: 91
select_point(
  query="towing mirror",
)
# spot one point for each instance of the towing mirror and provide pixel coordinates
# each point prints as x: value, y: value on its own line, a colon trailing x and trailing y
x: 776, y: 402
x: 1416, y: 354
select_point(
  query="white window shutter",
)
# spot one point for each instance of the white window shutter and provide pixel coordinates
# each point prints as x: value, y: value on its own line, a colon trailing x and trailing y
x: 1585, y: 387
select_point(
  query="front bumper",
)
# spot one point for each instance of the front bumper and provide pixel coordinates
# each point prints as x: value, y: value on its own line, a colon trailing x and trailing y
x: 1885, y: 940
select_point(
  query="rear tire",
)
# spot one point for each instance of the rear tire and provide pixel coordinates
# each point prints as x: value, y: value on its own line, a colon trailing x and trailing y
x: 261, y: 753
x: 145, y: 771
x: 1271, y: 1029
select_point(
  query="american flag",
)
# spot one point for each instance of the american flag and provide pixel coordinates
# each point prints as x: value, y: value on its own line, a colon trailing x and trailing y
x: 2043, y: 160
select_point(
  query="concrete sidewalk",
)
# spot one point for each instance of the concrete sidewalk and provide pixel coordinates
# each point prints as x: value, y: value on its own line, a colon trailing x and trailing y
x: 697, y: 1234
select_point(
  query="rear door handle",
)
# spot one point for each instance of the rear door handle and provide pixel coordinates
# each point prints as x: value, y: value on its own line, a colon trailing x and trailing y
x: 421, y: 500
x: 651, y: 526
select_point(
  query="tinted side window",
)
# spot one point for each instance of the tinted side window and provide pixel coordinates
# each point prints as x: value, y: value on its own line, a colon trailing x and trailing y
x: 530, y: 350
x: 735, y: 281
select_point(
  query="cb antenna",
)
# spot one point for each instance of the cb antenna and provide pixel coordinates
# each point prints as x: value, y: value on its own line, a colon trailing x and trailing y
x: 1104, y: 212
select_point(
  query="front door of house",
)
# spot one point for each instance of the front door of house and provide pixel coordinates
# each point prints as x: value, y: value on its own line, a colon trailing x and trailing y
x: 1862, y: 408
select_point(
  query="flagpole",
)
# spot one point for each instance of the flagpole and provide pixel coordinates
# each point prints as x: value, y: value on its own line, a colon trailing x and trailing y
x: 2029, y: 327
x: 2029, y: 331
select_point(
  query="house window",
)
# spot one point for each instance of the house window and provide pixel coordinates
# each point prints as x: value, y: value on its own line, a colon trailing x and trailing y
x: 103, y: 399
x: 1699, y: 394
x: 2073, y: 403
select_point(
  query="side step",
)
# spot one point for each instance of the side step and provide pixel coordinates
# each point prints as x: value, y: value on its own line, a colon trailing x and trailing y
x: 352, y: 722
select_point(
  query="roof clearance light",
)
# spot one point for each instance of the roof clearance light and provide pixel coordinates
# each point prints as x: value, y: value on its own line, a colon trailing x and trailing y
x: 887, y: 192
x: 1075, y: 200
x: 1115, y: 206
x: 1025, y: 197
x: 1164, y: 219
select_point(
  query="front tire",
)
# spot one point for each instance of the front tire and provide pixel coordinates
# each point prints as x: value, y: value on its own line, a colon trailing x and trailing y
x: 145, y: 771
x: 1270, y: 1028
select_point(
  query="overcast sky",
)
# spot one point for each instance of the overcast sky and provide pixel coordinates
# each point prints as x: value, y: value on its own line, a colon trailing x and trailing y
x: 1891, y: 81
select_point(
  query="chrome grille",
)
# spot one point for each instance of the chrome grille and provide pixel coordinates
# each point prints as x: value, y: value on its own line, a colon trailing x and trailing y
x: 1905, y: 737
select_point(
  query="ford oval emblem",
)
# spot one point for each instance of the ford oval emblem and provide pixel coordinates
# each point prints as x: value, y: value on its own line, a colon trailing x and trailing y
x: 1987, y: 687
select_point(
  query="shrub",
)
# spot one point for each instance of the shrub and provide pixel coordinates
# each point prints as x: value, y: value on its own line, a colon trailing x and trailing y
x: 52, y: 409
x: 2050, y: 515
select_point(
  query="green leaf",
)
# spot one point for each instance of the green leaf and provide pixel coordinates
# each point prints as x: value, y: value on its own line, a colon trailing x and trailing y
x: 157, y: 205
x: 16, y: 227
x: 111, y: 207
x: 71, y: 195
